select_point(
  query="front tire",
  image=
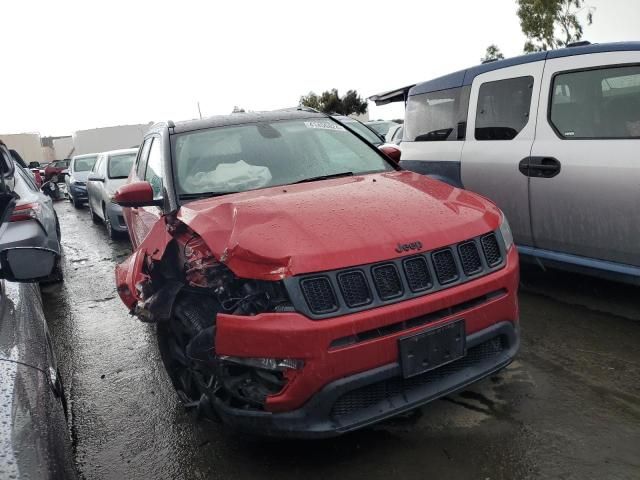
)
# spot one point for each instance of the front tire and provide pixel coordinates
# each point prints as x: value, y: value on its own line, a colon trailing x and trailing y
x: 94, y: 218
x: 192, y: 379
x: 113, y: 235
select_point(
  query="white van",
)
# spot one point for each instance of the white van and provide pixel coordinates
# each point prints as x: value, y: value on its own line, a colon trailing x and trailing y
x: 553, y: 138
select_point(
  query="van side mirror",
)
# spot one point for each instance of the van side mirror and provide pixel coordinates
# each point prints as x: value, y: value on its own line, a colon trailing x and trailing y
x: 95, y: 177
x: 26, y: 264
x: 136, y: 194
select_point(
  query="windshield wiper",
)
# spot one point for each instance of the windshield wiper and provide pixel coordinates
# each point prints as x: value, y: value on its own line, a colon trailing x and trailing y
x: 324, y: 177
x: 191, y: 196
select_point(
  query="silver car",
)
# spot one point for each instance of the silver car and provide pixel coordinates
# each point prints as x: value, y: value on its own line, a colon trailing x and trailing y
x: 109, y: 172
x: 76, y: 180
x: 34, y: 222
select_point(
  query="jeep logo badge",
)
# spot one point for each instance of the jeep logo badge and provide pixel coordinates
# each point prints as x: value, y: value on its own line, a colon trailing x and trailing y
x: 405, y: 247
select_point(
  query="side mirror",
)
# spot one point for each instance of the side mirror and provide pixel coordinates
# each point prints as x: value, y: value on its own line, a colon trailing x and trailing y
x: 136, y: 194
x: 94, y: 177
x: 34, y: 165
x: 26, y: 264
x: 392, y: 152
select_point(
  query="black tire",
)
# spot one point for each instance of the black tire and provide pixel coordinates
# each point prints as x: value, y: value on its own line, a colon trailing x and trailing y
x: 94, y: 218
x: 190, y: 378
x: 113, y: 234
x: 76, y: 203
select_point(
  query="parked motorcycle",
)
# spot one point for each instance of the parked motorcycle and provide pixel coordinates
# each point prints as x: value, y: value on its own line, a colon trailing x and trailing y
x: 53, y: 189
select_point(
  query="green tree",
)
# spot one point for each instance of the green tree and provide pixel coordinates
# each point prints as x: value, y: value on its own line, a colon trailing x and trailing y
x: 551, y: 24
x: 492, y: 53
x: 331, y: 102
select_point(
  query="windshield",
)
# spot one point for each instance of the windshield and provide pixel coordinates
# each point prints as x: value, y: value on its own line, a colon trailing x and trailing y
x: 240, y: 158
x: 365, y: 131
x: 84, y: 164
x: 120, y: 165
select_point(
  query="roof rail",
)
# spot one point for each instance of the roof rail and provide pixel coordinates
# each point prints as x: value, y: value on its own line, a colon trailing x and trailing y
x: 170, y: 124
x: 489, y: 60
x: 582, y: 43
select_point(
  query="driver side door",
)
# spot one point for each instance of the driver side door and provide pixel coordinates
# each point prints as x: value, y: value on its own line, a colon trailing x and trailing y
x: 149, y: 168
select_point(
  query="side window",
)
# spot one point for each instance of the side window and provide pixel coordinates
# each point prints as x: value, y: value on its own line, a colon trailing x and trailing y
x: 503, y: 108
x: 153, y: 173
x: 601, y: 103
x: 437, y: 116
x: 26, y: 178
x: 142, y: 158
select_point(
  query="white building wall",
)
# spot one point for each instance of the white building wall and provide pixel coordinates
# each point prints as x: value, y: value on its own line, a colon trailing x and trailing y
x: 108, y: 138
x: 63, y: 148
x: 26, y: 144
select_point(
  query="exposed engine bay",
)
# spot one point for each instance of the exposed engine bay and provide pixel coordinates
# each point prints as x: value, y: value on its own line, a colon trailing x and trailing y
x: 182, y: 292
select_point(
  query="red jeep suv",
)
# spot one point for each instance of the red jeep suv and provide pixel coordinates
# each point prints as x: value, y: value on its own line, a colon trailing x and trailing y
x: 302, y: 283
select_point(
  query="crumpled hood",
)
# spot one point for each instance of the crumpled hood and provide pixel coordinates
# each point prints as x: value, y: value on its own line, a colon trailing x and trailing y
x: 310, y: 227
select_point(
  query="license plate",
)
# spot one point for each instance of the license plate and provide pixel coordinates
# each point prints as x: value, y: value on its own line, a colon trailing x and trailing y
x: 425, y: 351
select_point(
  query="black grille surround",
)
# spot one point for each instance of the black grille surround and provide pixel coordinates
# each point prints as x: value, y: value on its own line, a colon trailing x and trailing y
x: 400, y: 279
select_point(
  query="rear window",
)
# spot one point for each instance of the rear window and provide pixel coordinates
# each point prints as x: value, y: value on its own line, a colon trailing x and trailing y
x: 437, y: 116
x: 120, y: 165
x: 84, y: 164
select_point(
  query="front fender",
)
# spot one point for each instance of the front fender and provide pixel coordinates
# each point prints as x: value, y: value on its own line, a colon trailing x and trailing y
x: 133, y: 271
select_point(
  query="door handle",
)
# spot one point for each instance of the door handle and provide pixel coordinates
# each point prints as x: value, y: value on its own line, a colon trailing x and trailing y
x: 540, y: 167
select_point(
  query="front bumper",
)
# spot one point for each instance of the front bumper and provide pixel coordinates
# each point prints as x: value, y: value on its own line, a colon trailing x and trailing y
x: 369, y: 397
x: 316, y: 401
x: 78, y: 192
x: 116, y: 217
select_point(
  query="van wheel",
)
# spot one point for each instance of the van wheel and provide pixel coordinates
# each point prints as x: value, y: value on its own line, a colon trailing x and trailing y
x: 77, y: 204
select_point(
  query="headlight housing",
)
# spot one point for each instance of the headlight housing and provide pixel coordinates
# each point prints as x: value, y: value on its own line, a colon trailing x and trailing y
x: 505, y: 231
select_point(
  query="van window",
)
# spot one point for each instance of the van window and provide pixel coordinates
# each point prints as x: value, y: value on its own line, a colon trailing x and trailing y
x: 599, y: 103
x: 503, y: 108
x: 437, y: 116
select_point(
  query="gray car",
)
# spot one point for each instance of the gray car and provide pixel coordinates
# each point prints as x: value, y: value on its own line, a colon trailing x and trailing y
x: 76, y: 180
x: 34, y: 222
x: 109, y: 172
x: 34, y: 438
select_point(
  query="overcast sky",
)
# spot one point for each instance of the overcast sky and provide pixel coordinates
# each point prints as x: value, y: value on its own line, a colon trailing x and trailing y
x: 71, y: 65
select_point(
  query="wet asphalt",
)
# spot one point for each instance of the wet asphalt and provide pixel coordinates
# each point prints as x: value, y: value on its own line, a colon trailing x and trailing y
x: 567, y: 408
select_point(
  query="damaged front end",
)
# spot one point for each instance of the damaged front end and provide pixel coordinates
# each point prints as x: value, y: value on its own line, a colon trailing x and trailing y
x: 175, y: 281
